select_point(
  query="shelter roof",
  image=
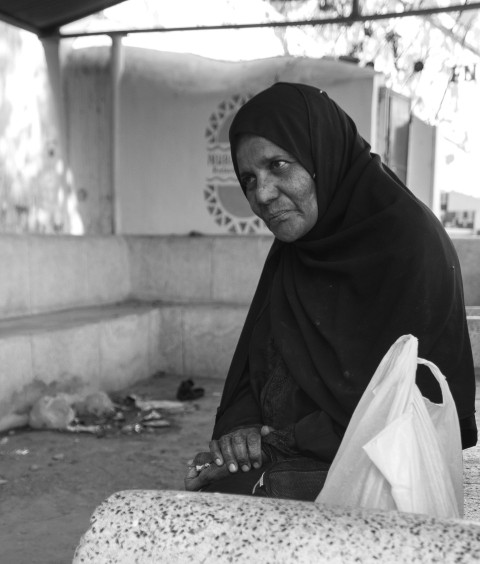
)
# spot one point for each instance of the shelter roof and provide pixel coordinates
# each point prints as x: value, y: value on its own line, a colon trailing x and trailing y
x: 44, y: 17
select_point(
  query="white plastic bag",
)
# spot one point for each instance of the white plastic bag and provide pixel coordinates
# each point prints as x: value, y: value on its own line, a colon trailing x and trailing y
x: 400, y: 451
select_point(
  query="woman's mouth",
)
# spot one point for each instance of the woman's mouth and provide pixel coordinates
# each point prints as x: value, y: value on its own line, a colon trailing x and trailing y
x: 276, y: 217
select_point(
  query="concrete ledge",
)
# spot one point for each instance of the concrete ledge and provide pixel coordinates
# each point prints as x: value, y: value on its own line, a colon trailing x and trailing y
x: 177, y: 527
x: 110, y: 347
x: 468, y: 250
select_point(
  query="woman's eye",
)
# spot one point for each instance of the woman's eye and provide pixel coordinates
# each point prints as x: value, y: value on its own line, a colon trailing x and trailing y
x: 248, y: 182
x: 278, y: 164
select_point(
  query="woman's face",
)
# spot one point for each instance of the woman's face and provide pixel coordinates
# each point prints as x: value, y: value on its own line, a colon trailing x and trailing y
x: 279, y: 190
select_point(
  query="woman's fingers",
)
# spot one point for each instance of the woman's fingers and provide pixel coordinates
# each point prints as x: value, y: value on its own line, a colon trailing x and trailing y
x: 201, y: 458
x: 232, y: 451
x: 240, y: 451
x: 191, y: 473
x: 228, y: 453
x: 254, y: 445
x: 193, y: 479
x: 216, y: 452
x: 200, y: 475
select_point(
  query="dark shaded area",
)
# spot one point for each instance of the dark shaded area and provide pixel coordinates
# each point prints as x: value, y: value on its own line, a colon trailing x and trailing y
x: 44, y: 17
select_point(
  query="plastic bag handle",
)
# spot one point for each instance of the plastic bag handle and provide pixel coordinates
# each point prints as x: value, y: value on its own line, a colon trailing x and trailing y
x: 444, y: 388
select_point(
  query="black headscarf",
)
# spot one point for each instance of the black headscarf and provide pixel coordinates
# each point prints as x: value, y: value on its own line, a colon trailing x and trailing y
x: 377, y: 265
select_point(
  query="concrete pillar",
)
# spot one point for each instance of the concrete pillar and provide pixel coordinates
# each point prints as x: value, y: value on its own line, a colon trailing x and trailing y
x: 51, y: 47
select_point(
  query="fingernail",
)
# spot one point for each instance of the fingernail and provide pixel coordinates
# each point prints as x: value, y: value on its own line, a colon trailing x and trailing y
x: 256, y: 465
x: 218, y: 462
x: 245, y: 468
x: 232, y: 468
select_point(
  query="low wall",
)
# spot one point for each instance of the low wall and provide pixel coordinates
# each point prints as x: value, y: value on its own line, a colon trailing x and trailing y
x: 51, y: 273
x: 177, y: 527
x: 468, y: 250
x: 197, y: 269
x: 107, y: 311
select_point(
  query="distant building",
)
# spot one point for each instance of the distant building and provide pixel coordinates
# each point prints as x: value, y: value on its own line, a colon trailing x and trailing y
x: 460, y: 211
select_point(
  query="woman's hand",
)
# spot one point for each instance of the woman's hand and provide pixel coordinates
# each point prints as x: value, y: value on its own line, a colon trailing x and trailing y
x: 201, y: 471
x: 266, y: 430
x: 241, y: 448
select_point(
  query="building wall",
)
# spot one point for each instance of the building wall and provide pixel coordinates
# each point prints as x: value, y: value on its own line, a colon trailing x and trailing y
x: 174, y: 173
x: 175, y: 114
x: 463, y: 204
x: 421, y: 163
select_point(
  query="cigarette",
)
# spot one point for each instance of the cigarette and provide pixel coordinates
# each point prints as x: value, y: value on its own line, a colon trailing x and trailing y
x: 200, y: 467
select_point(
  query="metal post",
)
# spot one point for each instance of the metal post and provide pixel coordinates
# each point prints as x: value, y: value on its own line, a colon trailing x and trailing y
x: 116, y: 72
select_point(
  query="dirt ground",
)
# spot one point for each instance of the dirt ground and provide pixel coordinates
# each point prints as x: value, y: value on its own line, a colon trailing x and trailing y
x: 51, y: 482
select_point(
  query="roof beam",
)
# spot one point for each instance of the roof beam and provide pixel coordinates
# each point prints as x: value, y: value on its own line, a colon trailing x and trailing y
x: 53, y: 30
x: 7, y: 18
x: 354, y: 17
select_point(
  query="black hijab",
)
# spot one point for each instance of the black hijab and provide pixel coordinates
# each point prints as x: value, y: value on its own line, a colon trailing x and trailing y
x: 377, y: 265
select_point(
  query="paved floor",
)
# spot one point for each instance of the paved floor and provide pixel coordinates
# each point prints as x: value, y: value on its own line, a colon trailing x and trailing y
x: 52, y: 481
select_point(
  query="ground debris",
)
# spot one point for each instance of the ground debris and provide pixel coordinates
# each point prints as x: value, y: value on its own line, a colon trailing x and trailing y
x: 187, y: 391
x: 150, y: 405
x: 129, y: 414
x: 51, y: 412
x: 96, y: 403
x: 156, y: 423
x: 79, y: 428
x: 100, y: 414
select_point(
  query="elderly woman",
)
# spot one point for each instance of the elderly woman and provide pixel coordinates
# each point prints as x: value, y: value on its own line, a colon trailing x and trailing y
x: 357, y: 262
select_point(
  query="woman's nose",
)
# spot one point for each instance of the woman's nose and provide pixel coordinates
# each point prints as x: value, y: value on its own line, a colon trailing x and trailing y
x: 266, y: 190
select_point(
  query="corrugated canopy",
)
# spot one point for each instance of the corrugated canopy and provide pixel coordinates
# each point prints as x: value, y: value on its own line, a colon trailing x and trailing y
x: 45, y: 17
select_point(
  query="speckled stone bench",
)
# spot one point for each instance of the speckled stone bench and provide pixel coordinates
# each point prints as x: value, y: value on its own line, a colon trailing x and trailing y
x: 179, y: 527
